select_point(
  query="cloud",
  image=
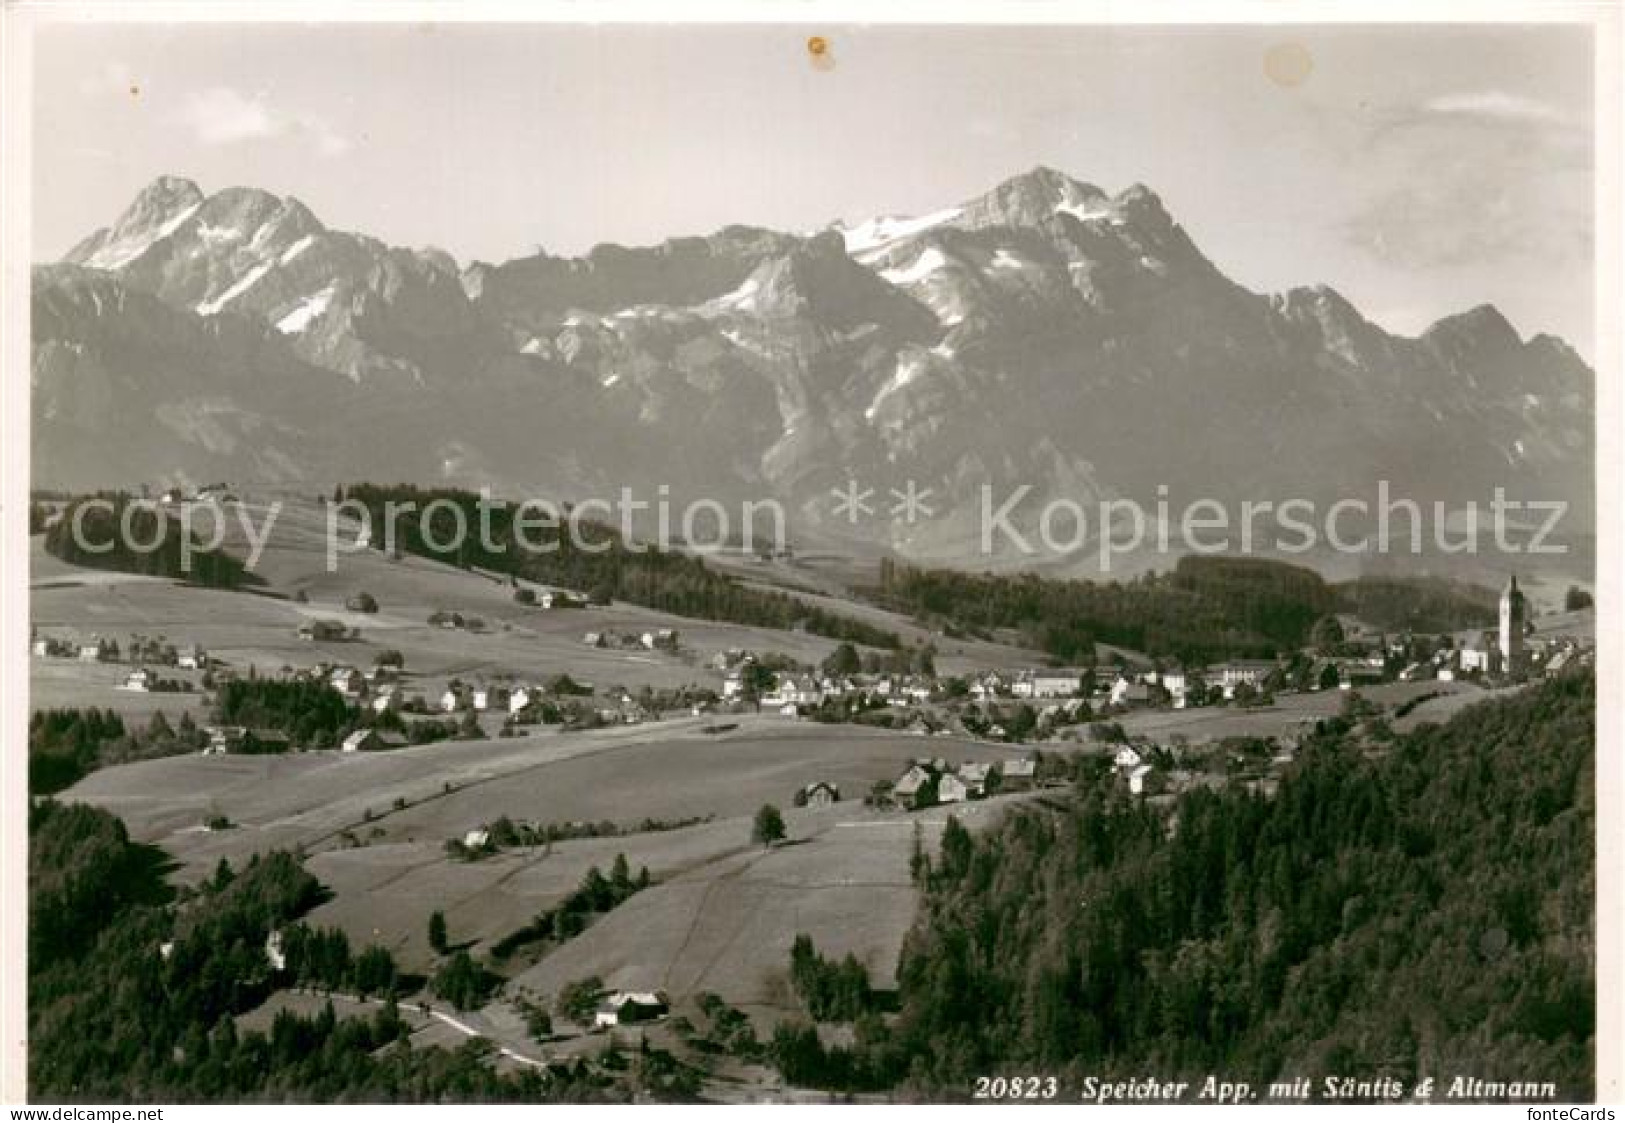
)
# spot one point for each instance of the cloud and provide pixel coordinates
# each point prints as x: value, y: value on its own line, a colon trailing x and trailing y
x: 1494, y: 105
x: 1478, y: 179
x: 221, y: 115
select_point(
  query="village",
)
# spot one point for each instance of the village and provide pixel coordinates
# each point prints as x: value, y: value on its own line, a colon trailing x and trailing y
x: 1051, y: 709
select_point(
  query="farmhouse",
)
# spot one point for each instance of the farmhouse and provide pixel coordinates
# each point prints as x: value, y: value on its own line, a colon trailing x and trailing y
x: 361, y: 741
x: 909, y: 784
x: 138, y: 679
x: 988, y: 686
x: 662, y: 639
x: 386, y: 697
x: 1018, y: 773
x: 1127, y: 692
x: 1241, y: 672
x: 973, y: 774
x: 796, y: 691
x: 820, y: 793
x: 1051, y: 684
x: 593, y: 639
x: 1127, y: 758
x: 1137, y: 779
x: 951, y: 789
x: 41, y: 648
x: 346, y: 680
x: 224, y: 739
x: 192, y: 658
x: 91, y: 652
x: 622, y: 1008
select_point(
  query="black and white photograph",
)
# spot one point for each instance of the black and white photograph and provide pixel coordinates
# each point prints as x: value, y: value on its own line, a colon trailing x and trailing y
x: 803, y: 556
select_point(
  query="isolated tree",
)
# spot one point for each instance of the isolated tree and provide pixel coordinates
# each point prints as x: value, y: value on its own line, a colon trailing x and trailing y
x: 1329, y: 678
x: 844, y: 660
x: 578, y: 999
x: 1576, y: 599
x: 925, y: 659
x: 437, y: 932
x: 1327, y: 635
x: 768, y: 826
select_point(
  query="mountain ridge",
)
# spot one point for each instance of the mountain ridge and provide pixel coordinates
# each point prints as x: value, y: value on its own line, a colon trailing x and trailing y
x: 1046, y: 333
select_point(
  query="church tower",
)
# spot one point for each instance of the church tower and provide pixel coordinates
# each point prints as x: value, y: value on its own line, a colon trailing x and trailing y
x: 1514, y: 612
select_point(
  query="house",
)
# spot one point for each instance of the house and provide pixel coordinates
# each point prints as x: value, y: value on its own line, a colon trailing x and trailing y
x: 622, y: 1008
x: 361, y: 741
x: 518, y: 700
x: 1056, y: 684
x: 789, y: 709
x: 1137, y: 779
x: 138, y: 679
x: 662, y: 639
x: 1480, y: 654
x: 346, y: 680
x: 988, y: 686
x: 1127, y: 757
x: 973, y: 774
x: 41, y: 648
x: 91, y: 652
x: 593, y: 639
x: 224, y: 739
x: 1018, y: 773
x: 1127, y: 692
x: 477, y: 839
x: 732, y: 686
x: 951, y: 789
x: 385, y: 697
x: 481, y: 699
x: 274, y: 953
x: 1238, y: 672
x: 909, y: 784
x: 796, y: 690
x: 1174, y: 682
x: 192, y: 658
x: 820, y: 793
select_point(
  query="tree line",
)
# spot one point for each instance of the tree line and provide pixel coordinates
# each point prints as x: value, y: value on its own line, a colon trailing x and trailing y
x: 1416, y: 908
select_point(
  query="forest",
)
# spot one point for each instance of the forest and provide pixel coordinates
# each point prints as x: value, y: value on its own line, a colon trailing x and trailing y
x: 1422, y: 909
x: 602, y: 564
x: 113, y: 533
x: 1204, y: 609
x: 135, y: 990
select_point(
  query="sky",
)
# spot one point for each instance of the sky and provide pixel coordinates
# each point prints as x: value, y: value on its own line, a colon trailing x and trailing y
x: 1419, y: 170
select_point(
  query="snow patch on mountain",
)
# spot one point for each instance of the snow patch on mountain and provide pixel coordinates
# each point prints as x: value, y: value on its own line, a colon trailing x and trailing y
x: 310, y: 309
x: 116, y: 255
x: 929, y: 261
x: 296, y: 249
x: 244, y: 283
x: 878, y: 233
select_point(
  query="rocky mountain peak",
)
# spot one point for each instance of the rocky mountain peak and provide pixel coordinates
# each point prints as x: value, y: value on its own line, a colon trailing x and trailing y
x: 1033, y: 199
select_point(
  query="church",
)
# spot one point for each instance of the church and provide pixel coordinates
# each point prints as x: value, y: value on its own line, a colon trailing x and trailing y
x: 1514, y: 620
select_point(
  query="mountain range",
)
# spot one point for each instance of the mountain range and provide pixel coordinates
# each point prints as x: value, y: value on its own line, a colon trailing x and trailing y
x: 1047, y: 333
